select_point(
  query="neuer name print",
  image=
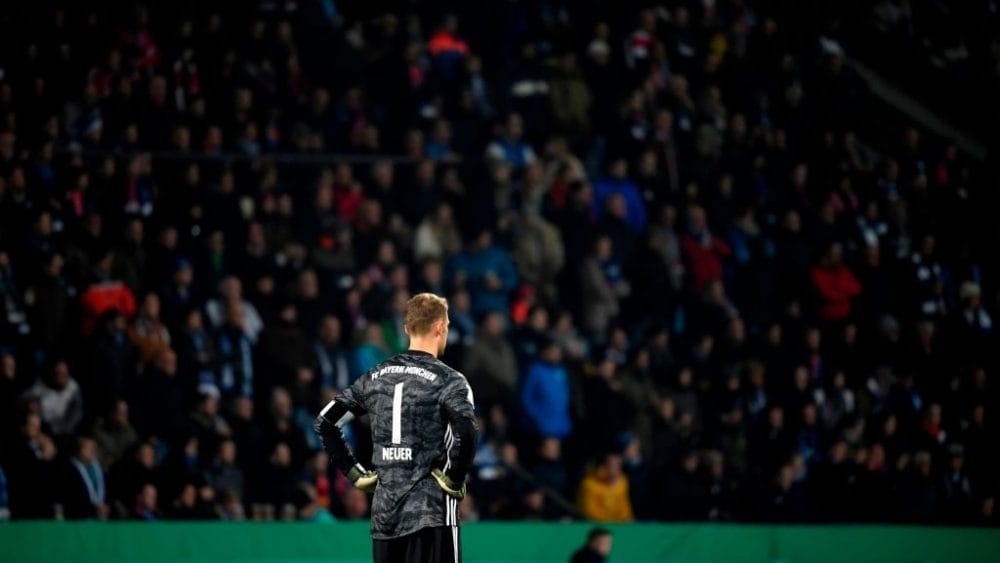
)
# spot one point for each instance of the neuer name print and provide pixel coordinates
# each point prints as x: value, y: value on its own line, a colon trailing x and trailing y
x: 397, y: 454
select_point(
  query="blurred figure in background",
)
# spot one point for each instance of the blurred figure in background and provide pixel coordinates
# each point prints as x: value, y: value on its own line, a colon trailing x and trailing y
x: 596, y: 550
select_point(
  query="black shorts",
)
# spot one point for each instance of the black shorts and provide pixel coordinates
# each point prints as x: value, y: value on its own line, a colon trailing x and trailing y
x: 430, y: 545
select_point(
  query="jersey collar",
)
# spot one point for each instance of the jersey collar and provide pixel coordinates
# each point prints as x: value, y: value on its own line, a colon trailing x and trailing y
x: 419, y: 353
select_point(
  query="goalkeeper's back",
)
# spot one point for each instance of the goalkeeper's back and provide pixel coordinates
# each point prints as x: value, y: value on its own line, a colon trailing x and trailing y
x: 411, y: 400
x: 422, y: 422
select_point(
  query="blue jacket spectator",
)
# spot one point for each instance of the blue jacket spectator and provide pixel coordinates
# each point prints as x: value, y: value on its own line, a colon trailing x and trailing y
x: 619, y: 183
x: 486, y: 272
x: 511, y: 148
x: 545, y: 395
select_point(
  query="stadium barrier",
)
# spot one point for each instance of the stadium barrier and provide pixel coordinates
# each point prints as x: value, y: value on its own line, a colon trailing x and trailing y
x: 174, y: 542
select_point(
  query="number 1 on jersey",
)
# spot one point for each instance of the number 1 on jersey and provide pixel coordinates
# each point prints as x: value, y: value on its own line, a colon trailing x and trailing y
x: 397, y: 413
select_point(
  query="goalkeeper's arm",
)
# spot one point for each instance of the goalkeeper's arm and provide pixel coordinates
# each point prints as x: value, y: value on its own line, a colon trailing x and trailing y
x: 464, y: 430
x: 338, y: 412
x: 457, y: 404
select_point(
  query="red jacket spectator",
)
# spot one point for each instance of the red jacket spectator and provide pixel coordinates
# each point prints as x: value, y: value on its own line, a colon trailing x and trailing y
x: 102, y: 297
x: 703, y: 251
x: 835, y: 284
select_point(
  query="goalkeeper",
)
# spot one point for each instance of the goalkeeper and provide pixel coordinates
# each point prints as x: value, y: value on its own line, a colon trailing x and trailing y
x: 424, y: 437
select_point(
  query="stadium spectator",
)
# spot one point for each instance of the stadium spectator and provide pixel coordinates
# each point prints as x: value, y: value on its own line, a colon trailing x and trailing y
x: 510, y: 147
x: 604, y: 492
x: 60, y: 400
x: 550, y: 476
x: 332, y: 364
x: 618, y: 183
x: 148, y: 334
x: 437, y: 235
x: 490, y: 363
x: 703, y: 251
x: 84, y: 492
x: 114, y: 435
x: 545, y: 395
x: 145, y: 505
x: 603, y: 287
x: 32, y: 466
x: 485, y: 271
x: 835, y: 284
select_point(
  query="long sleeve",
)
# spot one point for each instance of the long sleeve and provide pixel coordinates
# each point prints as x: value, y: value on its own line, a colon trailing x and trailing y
x: 506, y: 272
x: 334, y: 415
x: 74, y: 410
x: 850, y: 283
x: 458, y: 405
x: 529, y: 397
x: 824, y: 284
x: 636, y: 209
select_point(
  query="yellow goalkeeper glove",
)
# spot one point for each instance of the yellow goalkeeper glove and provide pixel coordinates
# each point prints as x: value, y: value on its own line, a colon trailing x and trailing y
x: 454, y: 490
x: 363, y: 479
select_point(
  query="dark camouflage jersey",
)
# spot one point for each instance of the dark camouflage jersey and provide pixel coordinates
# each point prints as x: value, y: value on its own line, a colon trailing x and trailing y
x: 411, y: 399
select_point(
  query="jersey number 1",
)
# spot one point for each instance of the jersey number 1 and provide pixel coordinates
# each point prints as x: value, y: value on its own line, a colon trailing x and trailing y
x: 397, y: 414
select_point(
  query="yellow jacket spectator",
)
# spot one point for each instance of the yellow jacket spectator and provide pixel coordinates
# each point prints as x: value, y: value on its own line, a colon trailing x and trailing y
x: 604, y: 495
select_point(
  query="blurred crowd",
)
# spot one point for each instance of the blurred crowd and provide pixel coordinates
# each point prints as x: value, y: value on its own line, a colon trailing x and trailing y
x: 686, y: 279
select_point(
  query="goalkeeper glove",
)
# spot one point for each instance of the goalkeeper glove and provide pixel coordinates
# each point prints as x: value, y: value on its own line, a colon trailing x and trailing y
x: 453, y: 489
x: 363, y: 479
